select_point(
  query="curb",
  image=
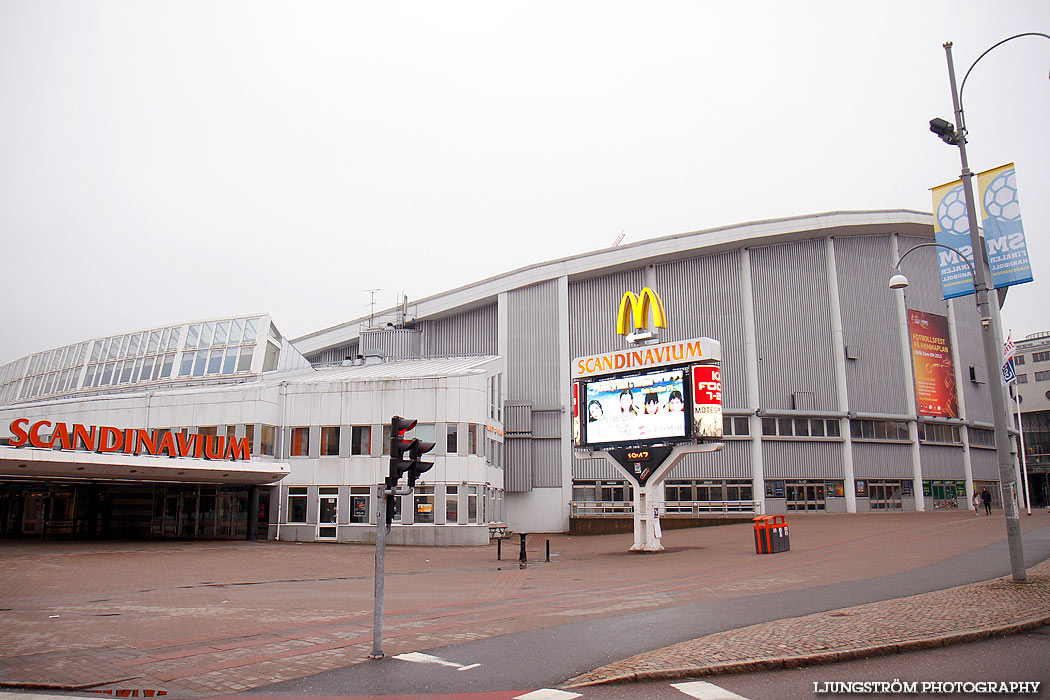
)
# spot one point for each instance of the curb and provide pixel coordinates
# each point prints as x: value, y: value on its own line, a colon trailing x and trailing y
x: 827, y: 657
x: 40, y: 685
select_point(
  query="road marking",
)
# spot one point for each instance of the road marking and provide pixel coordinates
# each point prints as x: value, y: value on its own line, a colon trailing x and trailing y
x: 706, y: 691
x: 428, y: 659
x: 547, y: 694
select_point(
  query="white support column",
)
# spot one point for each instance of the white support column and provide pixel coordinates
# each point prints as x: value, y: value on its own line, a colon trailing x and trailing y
x: 953, y: 338
x: 838, y: 347
x: 904, y: 334
x: 758, y: 488
x: 648, y: 499
x: 566, y: 399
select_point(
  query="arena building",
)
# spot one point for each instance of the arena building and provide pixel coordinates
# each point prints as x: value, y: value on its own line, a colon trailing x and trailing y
x: 820, y: 408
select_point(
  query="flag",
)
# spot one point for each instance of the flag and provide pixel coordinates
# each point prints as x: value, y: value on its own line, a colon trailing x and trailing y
x: 1009, y: 375
x: 1009, y: 349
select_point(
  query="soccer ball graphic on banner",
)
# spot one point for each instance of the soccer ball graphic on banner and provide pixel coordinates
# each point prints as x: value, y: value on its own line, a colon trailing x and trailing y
x: 951, y: 213
x: 1000, y: 199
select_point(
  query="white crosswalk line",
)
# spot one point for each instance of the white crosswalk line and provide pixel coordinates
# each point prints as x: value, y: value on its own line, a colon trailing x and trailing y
x: 706, y: 691
x: 547, y: 694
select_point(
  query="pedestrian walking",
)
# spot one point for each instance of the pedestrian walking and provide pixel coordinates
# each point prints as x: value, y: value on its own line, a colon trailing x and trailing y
x: 976, y: 502
x: 986, y: 498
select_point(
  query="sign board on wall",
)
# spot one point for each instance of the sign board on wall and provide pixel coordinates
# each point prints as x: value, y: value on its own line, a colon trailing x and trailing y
x: 931, y: 351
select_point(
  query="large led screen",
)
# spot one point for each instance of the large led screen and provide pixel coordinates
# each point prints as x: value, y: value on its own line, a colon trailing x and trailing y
x: 635, y: 409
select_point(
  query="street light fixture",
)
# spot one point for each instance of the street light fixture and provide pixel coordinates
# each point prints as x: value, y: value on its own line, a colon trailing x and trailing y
x: 990, y: 333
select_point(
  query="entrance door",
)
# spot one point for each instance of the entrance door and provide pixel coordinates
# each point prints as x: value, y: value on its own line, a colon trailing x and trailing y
x: 327, y: 512
x: 884, y: 495
x: 225, y: 513
x: 803, y: 495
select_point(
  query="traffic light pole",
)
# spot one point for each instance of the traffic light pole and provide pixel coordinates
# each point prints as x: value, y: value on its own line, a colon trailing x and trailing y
x: 992, y: 344
x: 377, y: 614
x: 414, y: 466
x: 380, y: 582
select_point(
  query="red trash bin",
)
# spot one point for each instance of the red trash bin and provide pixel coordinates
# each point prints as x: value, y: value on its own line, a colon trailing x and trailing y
x: 771, y: 534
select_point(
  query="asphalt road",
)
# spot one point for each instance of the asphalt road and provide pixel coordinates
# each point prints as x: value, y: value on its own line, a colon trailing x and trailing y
x: 546, y: 657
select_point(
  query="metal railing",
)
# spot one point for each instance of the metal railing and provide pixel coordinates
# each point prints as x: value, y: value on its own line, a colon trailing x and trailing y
x: 612, y: 509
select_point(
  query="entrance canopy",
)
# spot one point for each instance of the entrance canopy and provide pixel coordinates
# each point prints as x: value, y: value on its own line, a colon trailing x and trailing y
x: 27, y: 462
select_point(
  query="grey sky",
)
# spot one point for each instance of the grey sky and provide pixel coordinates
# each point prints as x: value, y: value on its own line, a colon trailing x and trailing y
x: 166, y: 161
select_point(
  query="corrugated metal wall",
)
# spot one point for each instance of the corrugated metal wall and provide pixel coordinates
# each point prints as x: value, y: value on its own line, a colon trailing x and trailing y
x: 594, y: 469
x: 702, y: 298
x: 985, y: 465
x: 733, y: 462
x: 788, y: 459
x: 968, y: 331
x: 335, y: 354
x: 876, y: 380
x: 793, y: 324
x: 879, y: 460
x: 593, y: 305
x: 941, y: 462
x: 472, y: 332
x: 517, y: 425
x: 534, y: 378
x: 392, y: 343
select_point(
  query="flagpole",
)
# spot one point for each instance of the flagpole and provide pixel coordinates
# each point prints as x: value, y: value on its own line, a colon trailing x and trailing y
x: 1024, y: 462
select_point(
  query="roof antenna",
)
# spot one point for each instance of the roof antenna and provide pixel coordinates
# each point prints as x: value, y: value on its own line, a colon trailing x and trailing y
x: 618, y: 239
x: 372, y: 306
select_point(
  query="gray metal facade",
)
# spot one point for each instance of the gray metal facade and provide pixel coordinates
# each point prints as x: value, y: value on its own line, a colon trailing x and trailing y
x: 798, y: 356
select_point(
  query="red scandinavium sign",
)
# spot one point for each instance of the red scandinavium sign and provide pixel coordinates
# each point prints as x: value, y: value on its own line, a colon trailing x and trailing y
x: 131, y: 441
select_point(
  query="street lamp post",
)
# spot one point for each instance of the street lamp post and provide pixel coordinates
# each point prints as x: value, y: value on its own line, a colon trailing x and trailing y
x: 990, y: 333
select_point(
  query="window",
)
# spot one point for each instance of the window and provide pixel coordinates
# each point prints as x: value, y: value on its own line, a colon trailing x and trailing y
x: 1042, y: 376
x: 359, y: 504
x: 472, y: 438
x: 423, y: 499
x: 735, y: 426
x: 982, y: 437
x: 386, y: 439
x: 450, y: 438
x: 864, y: 429
x: 300, y: 445
x: 1018, y: 359
x: 472, y: 504
x: 269, y: 434
x: 939, y: 433
x: 804, y: 428
x: 451, y: 504
x: 1022, y: 379
x: 297, y: 504
x: 330, y: 441
x: 1041, y: 356
x: 361, y: 440
x: 249, y: 435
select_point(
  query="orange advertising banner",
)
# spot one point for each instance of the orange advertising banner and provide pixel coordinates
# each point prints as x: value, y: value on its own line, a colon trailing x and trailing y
x: 931, y: 354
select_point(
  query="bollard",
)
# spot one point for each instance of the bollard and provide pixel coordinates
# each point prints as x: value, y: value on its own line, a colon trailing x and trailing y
x: 499, y: 549
x: 522, y: 559
x: 548, y: 551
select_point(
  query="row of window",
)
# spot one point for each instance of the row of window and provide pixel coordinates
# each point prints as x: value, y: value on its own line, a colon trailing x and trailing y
x: 483, y: 504
x: 138, y: 357
x: 800, y: 427
x: 474, y: 442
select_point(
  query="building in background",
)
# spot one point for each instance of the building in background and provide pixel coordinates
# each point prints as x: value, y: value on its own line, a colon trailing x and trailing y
x: 1032, y: 364
x: 821, y: 407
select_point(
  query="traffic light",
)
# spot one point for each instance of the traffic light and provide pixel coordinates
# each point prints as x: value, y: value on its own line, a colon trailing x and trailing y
x: 418, y: 466
x: 399, y: 448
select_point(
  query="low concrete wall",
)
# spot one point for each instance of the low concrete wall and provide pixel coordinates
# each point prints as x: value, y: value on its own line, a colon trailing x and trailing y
x: 609, y: 526
x: 418, y: 535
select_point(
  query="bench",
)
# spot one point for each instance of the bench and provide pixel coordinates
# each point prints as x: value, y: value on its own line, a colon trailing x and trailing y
x: 497, y: 530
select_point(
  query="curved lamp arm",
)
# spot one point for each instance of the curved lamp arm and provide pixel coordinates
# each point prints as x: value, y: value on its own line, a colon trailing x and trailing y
x: 962, y: 86
x: 969, y: 264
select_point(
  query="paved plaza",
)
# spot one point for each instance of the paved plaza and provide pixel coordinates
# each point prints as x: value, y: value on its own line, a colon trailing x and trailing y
x: 214, y: 618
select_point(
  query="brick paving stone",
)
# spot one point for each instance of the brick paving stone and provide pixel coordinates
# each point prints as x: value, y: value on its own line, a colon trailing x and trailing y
x: 200, y: 618
x: 963, y: 613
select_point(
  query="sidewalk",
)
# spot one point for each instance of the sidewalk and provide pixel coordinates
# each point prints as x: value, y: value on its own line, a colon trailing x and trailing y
x: 217, y: 618
x: 994, y: 608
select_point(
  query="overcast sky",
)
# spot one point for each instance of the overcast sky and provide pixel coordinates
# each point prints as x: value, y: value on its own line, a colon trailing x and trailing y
x: 168, y: 161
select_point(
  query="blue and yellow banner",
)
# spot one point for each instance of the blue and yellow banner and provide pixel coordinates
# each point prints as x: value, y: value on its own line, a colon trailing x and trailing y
x: 1000, y: 215
x: 952, y: 229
